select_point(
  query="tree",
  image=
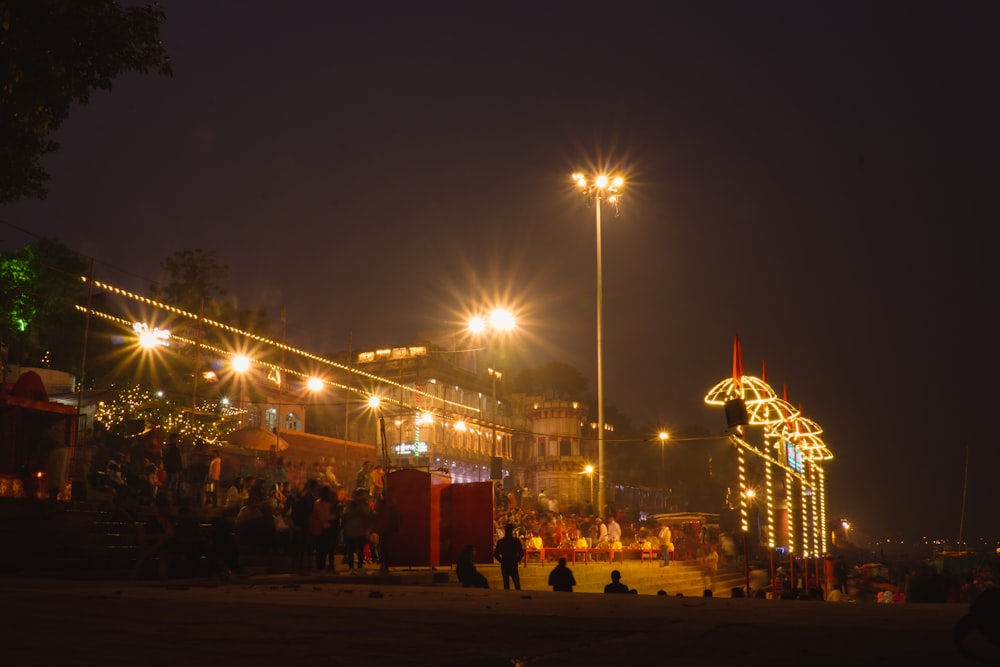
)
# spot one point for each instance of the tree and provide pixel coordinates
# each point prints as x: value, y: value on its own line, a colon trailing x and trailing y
x: 195, y: 282
x: 195, y: 279
x: 54, y: 54
x: 40, y: 287
x: 554, y: 380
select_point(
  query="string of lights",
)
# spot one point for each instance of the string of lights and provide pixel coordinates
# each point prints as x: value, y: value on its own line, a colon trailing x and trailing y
x: 261, y: 339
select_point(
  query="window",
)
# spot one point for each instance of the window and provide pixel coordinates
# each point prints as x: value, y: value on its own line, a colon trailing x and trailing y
x: 564, y: 448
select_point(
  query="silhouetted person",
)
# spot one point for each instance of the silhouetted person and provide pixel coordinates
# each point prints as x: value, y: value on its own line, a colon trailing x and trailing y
x: 983, y: 619
x: 561, y: 577
x: 616, y: 585
x: 465, y: 569
x: 509, y: 553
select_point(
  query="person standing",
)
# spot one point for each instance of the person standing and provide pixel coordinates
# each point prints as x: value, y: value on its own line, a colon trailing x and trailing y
x: 357, y: 523
x: 173, y: 463
x: 212, y: 480
x: 666, y: 543
x: 321, y: 525
x: 388, y: 521
x: 363, y: 480
x: 509, y: 552
x: 614, y: 529
x: 561, y: 577
x: 302, y: 540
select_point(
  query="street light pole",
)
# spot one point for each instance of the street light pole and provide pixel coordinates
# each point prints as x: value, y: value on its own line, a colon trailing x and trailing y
x: 598, y: 188
x: 589, y: 470
x: 600, y: 362
x: 495, y: 375
x: 663, y: 476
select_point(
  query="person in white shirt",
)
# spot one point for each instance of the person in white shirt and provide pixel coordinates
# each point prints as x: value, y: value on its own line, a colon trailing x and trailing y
x: 666, y: 543
x: 614, y: 530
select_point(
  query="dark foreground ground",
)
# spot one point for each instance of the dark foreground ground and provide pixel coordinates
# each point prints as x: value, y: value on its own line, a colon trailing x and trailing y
x: 284, y: 621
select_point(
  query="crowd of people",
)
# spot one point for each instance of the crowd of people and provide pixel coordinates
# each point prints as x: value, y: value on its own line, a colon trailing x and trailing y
x: 190, y: 517
x: 622, y: 529
x: 304, y: 513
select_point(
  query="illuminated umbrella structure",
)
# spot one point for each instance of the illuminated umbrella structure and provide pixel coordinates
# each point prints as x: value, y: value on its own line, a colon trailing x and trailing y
x: 739, y: 394
x: 792, y: 443
x: 771, y: 414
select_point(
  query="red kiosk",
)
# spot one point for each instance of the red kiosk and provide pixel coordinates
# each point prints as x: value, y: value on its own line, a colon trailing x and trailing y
x: 37, y: 438
x: 438, y: 518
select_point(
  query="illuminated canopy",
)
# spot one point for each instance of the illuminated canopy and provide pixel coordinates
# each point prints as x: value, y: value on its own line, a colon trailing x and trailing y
x: 771, y: 412
x: 751, y: 389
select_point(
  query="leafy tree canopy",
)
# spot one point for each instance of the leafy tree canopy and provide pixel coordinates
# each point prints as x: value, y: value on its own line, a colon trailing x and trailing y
x: 554, y: 380
x: 54, y: 53
x: 39, y: 288
x: 195, y: 278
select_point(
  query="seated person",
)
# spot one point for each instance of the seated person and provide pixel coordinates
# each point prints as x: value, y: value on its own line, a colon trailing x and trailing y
x: 534, y: 541
x: 465, y: 569
x: 616, y: 585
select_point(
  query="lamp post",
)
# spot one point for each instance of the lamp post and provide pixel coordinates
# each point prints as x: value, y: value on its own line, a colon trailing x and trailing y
x: 375, y: 403
x: 495, y: 375
x: 663, y: 435
x: 241, y: 364
x: 600, y: 187
x: 589, y: 471
x: 498, y: 320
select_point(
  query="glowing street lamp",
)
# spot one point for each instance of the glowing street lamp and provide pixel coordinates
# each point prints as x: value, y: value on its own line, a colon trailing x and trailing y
x: 663, y: 435
x: 600, y: 187
x: 151, y: 338
x: 241, y: 364
x: 498, y: 320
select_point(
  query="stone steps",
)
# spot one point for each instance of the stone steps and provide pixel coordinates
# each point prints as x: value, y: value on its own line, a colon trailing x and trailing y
x: 687, y: 578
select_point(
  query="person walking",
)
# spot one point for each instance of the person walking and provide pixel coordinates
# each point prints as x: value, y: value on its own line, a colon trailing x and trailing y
x: 561, y: 577
x: 509, y: 552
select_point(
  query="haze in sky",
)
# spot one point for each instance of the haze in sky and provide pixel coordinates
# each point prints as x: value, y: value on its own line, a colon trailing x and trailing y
x: 818, y: 179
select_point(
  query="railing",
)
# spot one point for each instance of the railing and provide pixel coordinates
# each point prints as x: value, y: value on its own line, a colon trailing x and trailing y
x: 589, y: 555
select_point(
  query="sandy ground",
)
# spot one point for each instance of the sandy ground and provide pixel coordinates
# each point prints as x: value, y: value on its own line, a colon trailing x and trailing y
x: 286, y: 621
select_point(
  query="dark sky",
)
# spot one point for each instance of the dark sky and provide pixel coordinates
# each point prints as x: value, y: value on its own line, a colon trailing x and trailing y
x: 817, y: 178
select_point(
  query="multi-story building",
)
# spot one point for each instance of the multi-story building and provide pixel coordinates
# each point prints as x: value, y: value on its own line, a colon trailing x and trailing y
x: 435, y: 413
x: 440, y: 415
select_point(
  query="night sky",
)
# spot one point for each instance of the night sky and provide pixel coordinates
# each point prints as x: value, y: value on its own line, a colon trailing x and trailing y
x: 818, y: 179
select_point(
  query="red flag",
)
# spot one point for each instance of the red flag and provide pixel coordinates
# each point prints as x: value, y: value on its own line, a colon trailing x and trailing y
x: 738, y: 364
